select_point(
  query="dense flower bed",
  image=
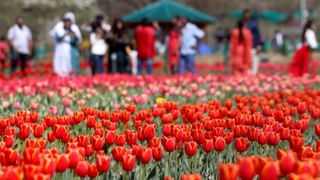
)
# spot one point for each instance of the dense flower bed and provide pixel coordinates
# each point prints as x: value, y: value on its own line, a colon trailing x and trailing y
x: 177, y: 127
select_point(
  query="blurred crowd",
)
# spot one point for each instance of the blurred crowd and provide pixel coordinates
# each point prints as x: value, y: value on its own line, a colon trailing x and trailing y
x: 111, y: 49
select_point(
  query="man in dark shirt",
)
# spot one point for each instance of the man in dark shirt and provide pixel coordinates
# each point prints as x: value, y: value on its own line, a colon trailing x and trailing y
x: 253, y: 26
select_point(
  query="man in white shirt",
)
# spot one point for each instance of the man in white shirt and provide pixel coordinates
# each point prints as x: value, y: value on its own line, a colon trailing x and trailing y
x: 191, y: 35
x: 20, y: 38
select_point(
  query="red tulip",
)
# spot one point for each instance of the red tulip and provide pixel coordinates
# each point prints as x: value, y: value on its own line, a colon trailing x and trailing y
x: 219, y: 144
x: 91, y: 121
x: 149, y: 131
x: 120, y: 139
x: 145, y: 155
x: 270, y: 171
x: 82, y: 168
x: 128, y: 162
x: 191, y: 177
x: 157, y: 153
x: 317, y: 129
x: 24, y: 131
x: 117, y: 152
x: 131, y: 137
x: 9, y: 140
x: 169, y: 144
x: 191, y: 148
x: 40, y: 176
x: 103, y: 163
x: 207, y: 145
x: 262, y: 139
x: 62, y: 163
x: 78, y: 116
x: 241, y: 144
x: 30, y: 171
x: 74, y: 157
x: 110, y: 137
x: 273, y: 138
x: 60, y: 131
x: 12, y: 156
x: 97, y: 142
x: 301, y: 108
x: 48, y: 166
x: 31, y: 156
x: 228, y: 137
x: 246, y: 169
x: 98, y: 131
x: 92, y: 170
x: 228, y: 103
x: 154, y: 142
x: 38, y: 131
x: 296, y: 143
x: 51, y: 136
x: 131, y: 108
x: 83, y: 141
x: 168, y: 178
x: 166, y: 118
x: 305, y: 168
x: 287, y: 163
x: 228, y: 172
x: 88, y: 150
x: 167, y: 129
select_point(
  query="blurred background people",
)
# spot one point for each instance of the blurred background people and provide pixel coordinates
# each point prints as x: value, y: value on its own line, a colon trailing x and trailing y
x: 190, y: 37
x: 99, y: 48
x: 4, y: 51
x: 20, y: 39
x: 118, y: 61
x: 225, y: 50
x: 66, y: 35
x: 145, y: 37
x: 252, y: 24
x: 302, y: 63
x: 240, y: 49
x: 278, y: 41
x: 173, y: 45
x: 98, y: 21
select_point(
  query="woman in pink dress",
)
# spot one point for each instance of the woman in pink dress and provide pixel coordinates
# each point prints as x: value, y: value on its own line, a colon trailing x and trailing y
x: 240, y: 48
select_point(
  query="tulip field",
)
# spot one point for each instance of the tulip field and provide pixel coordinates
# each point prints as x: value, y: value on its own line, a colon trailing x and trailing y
x: 186, y: 127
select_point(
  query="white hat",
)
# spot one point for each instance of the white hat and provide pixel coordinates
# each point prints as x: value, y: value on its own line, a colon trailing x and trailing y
x: 70, y: 16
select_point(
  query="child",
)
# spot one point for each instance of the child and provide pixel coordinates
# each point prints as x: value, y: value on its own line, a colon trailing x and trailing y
x: 4, y: 49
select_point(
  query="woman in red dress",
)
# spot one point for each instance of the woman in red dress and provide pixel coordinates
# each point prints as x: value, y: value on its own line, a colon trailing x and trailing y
x: 302, y: 59
x: 174, y: 43
x: 241, y: 45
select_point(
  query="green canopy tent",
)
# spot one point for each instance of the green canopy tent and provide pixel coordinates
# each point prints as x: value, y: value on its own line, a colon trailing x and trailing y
x: 313, y: 14
x: 165, y: 10
x: 268, y: 15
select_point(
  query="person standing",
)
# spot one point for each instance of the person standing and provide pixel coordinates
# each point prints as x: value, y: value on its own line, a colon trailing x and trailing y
x: 190, y: 38
x: 302, y: 59
x: 98, y: 50
x: 145, y: 36
x: 173, y: 46
x: 20, y: 39
x: 241, y: 45
x: 67, y: 36
x: 278, y: 41
x: 252, y: 24
x: 118, y: 43
x: 4, y: 50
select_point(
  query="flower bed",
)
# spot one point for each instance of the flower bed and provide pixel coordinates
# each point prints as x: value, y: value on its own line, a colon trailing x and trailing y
x: 161, y: 127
